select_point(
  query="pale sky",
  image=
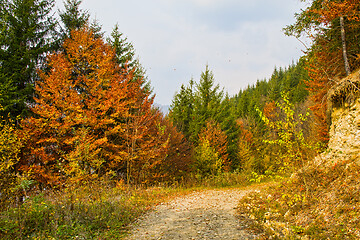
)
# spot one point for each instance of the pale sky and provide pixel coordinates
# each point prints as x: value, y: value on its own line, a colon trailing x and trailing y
x: 240, y: 40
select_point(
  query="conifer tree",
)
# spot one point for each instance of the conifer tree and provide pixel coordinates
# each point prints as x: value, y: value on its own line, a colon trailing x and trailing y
x: 198, y: 103
x: 227, y: 119
x: 182, y: 109
x: 207, y: 102
x: 26, y: 37
x: 125, y: 57
x: 73, y: 18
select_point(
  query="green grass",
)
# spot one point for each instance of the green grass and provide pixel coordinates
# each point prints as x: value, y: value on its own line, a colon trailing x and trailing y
x: 96, y: 211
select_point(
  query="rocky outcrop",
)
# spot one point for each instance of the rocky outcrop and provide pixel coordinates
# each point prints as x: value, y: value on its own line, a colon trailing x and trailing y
x: 344, y: 104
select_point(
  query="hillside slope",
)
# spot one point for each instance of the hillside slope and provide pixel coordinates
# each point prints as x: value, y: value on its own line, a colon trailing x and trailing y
x: 322, y: 200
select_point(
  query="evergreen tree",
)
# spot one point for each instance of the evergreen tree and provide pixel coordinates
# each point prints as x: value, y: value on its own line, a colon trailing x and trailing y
x: 182, y: 109
x: 6, y: 86
x: 26, y: 36
x: 125, y: 57
x: 275, y: 84
x: 207, y: 103
x: 73, y: 18
x: 227, y: 119
x: 197, y: 104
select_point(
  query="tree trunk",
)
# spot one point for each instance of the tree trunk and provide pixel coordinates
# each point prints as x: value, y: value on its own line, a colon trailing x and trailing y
x: 343, y: 39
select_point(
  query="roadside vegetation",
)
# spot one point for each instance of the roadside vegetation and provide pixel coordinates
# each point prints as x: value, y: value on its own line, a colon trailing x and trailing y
x: 316, y: 203
x: 91, y: 211
x: 320, y: 199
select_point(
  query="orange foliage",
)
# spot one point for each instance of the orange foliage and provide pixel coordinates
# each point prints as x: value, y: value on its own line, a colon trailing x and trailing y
x: 90, y: 117
x: 322, y: 78
x: 218, y: 140
x: 244, y: 133
x: 178, y: 155
x: 270, y: 110
x: 326, y: 59
x: 246, y: 143
x: 144, y: 148
x: 332, y: 10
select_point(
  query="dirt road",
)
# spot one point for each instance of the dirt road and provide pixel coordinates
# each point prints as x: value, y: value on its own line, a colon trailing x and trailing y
x: 208, y: 214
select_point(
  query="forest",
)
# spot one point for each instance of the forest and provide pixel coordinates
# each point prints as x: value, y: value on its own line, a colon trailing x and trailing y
x: 77, y: 110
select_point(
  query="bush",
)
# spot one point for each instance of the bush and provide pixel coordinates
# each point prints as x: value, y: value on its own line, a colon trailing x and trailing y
x: 11, y: 184
x: 207, y: 160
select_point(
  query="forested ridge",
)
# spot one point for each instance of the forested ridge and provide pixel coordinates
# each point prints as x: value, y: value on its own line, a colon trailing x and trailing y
x: 77, y: 110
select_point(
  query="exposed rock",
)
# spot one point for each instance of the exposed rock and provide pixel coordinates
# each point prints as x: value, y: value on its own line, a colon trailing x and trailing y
x: 344, y: 104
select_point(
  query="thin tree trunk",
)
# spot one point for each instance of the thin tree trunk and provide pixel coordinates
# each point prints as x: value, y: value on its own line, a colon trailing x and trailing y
x: 343, y: 39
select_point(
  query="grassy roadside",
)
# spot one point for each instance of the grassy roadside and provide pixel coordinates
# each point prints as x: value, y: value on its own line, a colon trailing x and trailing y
x: 321, y: 202
x: 96, y: 210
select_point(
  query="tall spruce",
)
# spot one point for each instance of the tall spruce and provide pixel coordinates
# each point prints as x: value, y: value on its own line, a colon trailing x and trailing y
x: 182, y: 109
x: 26, y: 29
x: 73, y: 18
x: 207, y: 102
x: 197, y: 104
x: 227, y: 119
x: 126, y: 57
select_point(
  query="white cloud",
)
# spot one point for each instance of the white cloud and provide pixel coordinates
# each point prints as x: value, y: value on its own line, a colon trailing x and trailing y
x: 241, y: 40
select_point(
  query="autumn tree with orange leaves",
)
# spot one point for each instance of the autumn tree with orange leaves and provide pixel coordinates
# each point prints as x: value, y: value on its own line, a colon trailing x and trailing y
x: 78, y: 103
x: 333, y: 26
x: 90, y: 118
x: 144, y: 148
x: 177, y: 161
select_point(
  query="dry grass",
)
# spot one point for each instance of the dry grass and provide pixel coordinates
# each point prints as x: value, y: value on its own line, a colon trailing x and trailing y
x: 318, y: 203
x: 98, y: 210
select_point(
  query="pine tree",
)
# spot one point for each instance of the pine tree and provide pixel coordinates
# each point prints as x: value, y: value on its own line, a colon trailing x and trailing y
x: 125, y: 57
x: 73, y: 18
x: 227, y: 119
x: 28, y: 29
x: 199, y: 103
x: 207, y: 103
x: 182, y: 109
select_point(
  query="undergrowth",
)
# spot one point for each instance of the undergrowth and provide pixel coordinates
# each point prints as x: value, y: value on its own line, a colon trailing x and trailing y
x: 318, y: 202
x: 95, y: 211
x: 222, y: 180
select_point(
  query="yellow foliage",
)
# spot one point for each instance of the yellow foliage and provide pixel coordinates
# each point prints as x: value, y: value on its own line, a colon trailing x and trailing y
x: 10, y: 145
